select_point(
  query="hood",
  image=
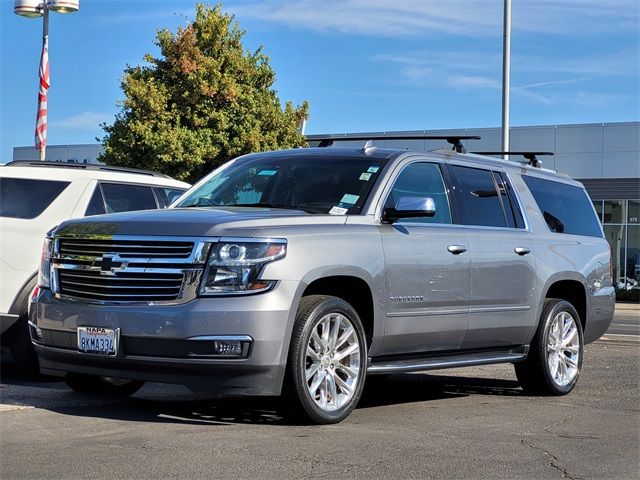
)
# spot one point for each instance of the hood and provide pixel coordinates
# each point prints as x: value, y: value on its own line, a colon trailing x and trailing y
x: 193, y: 222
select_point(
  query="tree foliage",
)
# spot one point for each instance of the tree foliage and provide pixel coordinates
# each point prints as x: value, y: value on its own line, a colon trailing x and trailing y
x: 205, y: 100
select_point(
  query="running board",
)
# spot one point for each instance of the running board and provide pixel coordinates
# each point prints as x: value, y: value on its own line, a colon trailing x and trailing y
x: 451, y: 360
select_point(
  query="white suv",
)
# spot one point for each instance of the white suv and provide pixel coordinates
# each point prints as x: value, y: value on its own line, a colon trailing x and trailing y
x: 37, y: 196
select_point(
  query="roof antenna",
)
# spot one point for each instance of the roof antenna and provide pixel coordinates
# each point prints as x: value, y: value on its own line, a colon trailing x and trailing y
x: 368, y: 148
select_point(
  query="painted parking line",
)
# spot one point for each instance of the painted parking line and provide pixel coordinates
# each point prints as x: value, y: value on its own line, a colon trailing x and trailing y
x: 620, y: 336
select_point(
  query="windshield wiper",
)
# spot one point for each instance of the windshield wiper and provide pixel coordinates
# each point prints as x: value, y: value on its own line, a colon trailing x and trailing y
x: 274, y: 205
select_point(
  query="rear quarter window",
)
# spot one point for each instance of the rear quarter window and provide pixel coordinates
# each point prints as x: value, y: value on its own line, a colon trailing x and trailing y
x: 27, y: 198
x: 565, y: 208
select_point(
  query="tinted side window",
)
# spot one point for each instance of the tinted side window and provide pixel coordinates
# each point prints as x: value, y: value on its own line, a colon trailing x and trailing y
x: 96, y: 204
x: 124, y: 198
x: 25, y: 198
x: 566, y: 208
x: 422, y: 180
x: 166, y: 196
x: 478, y: 198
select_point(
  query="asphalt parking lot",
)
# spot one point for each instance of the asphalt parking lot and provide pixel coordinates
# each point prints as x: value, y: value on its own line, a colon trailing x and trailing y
x: 466, y: 423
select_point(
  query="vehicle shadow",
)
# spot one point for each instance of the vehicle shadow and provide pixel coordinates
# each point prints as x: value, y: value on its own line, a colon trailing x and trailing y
x: 422, y: 387
x: 10, y: 374
x: 152, y: 404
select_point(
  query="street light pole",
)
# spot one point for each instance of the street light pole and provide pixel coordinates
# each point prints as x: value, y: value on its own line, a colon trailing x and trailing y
x: 506, y: 75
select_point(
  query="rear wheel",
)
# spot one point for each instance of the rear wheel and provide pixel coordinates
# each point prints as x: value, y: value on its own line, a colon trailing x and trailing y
x: 327, y: 360
x: 103, y: 385
x: 555, y: 358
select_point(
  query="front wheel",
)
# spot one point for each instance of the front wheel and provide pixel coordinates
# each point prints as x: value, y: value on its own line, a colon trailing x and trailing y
x: 555, y: 358
x: 84, y: 383
x: 327, y: 360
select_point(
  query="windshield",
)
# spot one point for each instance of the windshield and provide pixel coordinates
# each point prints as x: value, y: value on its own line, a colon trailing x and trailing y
x: 334, y: 185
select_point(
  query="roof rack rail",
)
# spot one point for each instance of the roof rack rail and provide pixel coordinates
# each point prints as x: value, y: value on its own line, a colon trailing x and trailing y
x: 84, y: 166
x: 455, y: 140
x: 532, y: 157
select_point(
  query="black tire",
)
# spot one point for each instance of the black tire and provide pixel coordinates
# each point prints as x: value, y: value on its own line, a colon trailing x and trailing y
x: 80, y: 382
x: 21, y: 347
x: 534, y: 373
x: 298, y: 401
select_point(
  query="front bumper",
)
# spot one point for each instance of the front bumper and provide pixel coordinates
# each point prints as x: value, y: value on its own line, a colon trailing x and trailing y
x: 161, y: 343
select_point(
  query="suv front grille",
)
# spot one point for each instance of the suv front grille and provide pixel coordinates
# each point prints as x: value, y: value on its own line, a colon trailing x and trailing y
x: 125, y: 248
x: 123, y: 268
x: 121, y: 287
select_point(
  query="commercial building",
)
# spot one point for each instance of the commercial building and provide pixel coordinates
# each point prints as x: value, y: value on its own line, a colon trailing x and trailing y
x: 79, y: 153
x: 603, y: 156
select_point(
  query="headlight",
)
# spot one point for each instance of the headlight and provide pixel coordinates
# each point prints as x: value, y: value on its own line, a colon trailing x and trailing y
x: 44, y: 274
x: 234, y: 267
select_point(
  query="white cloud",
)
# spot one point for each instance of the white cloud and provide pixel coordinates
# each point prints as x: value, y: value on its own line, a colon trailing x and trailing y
x: 82, y: 121
x: 406, y: 18
x: 141, y: 16
x: 457, y: 71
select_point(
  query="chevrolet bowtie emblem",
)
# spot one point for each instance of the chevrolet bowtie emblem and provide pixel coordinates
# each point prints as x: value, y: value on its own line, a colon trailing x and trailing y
x: 110, y: 264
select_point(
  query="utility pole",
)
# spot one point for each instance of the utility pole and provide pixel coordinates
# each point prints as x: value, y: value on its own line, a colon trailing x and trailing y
x: 506, y: 75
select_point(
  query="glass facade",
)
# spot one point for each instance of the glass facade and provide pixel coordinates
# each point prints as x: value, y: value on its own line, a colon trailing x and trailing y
x: 621, y: 223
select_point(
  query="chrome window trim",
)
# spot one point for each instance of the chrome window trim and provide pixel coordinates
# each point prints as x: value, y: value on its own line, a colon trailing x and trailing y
x: 516, y: 193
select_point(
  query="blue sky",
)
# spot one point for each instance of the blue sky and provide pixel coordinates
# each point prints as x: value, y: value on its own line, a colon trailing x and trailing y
x: 362, y: 64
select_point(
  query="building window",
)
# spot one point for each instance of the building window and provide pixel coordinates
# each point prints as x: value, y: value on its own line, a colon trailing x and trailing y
x: 634, y: 211
x: 633, y: 256
x: 614, y: 211
x: 621, y: 225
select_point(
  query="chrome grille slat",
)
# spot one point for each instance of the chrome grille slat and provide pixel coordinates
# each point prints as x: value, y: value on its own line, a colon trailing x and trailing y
x: 123, y: 254
x: 123, y: 296
x: 133, y: 248
x: 120, y: 287
x: 67, y: 242
x: 71, y: 273
x: 92, y: 285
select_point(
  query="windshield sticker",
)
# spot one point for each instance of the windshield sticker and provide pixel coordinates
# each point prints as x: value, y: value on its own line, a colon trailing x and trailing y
x: 373, y: 169
x: 267, y: 173
x: 338, y: 211
x: 349, y: 199
x: 365, y: 176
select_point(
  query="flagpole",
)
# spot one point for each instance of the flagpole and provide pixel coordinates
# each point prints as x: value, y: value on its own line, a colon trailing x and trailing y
x: 45, y: 39
x: 37, y: 9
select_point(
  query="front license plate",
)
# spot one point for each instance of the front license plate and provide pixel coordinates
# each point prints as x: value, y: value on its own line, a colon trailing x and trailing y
x: 98, y: 340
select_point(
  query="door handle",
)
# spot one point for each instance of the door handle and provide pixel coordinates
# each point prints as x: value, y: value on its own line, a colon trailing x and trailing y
x: 456, y: 249
x: 522, y: 250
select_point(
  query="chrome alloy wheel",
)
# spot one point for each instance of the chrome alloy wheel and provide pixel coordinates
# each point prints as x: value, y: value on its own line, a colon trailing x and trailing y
x: 332, y: 362
x: 563, y: 349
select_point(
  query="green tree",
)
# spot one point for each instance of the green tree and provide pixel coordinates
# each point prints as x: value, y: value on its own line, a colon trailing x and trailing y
x: 205, y: 100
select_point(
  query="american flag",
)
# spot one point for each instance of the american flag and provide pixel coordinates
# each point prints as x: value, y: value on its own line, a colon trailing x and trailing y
x: 41, y: 118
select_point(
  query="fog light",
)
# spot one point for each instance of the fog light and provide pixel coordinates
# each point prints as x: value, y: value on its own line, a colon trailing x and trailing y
x: 228, y: 347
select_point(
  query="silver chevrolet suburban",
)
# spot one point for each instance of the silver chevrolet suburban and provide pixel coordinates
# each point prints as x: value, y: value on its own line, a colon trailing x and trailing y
x: 300, y: 272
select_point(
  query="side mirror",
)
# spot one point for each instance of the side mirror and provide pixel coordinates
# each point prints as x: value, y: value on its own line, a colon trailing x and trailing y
x: 410, y: 207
